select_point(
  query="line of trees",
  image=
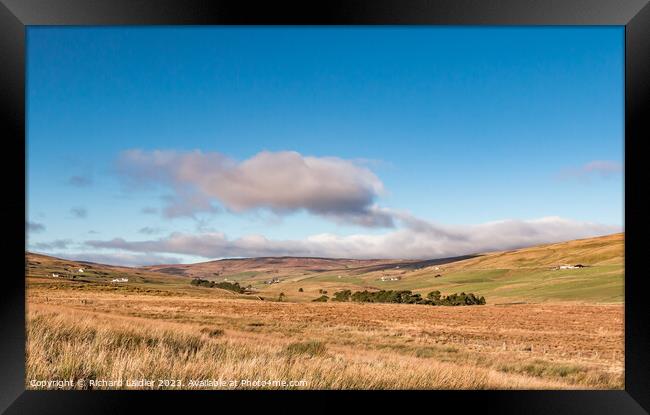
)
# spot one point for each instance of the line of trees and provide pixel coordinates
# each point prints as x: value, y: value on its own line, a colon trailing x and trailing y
x: 230, y: 286
x: 408, y: 297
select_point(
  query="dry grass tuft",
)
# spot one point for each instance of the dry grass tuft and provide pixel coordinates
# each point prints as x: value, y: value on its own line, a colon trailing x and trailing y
x: 310, y: 348
x: 212, y: 332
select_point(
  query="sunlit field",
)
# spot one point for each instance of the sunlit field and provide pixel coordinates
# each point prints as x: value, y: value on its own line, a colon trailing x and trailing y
x: 131, y: 336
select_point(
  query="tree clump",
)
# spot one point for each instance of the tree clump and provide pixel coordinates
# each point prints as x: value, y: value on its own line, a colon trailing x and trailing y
x: 408, y: 297
x: 342, y: 295
x: 230, y: 286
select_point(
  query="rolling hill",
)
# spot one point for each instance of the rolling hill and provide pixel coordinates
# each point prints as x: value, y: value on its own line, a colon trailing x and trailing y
x: 521, y: 275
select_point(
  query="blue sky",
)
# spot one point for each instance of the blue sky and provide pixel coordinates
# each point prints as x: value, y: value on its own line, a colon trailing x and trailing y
x: 458, y: 126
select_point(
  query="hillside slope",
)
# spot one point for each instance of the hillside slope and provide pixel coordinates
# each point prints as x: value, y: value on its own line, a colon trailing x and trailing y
x: 522, y: 275
x: 57, y: 273
x: 604, y: 250
x: 263, y: 265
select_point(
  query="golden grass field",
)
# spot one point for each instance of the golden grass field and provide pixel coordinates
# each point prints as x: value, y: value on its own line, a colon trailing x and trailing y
x: 159, y: 327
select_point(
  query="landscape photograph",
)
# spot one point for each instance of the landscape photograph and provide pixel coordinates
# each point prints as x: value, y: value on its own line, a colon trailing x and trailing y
x: 288, y: 208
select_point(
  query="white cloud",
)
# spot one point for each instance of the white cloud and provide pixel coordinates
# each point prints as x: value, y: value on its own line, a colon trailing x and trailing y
x: 595, y: 168
x: 416, y: 239
x: 282, y: 182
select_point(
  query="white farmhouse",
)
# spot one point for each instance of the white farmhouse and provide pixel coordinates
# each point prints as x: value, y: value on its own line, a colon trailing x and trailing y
x: 565, y: 266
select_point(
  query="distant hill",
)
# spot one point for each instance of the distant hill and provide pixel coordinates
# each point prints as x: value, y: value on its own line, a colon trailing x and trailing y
x: 593, y: 251
x: 528, y: 274
x: 267, y: 264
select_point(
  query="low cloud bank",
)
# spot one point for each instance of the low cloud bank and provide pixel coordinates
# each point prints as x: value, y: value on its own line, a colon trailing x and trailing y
x: 415, y: 239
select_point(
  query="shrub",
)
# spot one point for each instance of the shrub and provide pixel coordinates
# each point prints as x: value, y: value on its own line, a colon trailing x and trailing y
x: 321, y: 299
x: 300, y: 290
x: 434, y: 295
x: 342, y: 295
x: 230, y: 286
x: 455, y: 299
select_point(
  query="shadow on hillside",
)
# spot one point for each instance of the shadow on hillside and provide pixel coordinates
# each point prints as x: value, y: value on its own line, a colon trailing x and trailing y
x: 414, y: 265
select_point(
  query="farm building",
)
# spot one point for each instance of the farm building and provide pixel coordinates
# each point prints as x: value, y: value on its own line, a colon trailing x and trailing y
x: 120, y: 280
x: 565, y: 266
x: 391, y: 278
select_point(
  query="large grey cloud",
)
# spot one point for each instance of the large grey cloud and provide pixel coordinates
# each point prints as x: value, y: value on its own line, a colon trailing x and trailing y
x: 282, y: 182
x: 415, y: 239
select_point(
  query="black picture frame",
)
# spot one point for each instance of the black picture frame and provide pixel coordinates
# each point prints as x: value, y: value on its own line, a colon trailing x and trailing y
x: 16, y: 15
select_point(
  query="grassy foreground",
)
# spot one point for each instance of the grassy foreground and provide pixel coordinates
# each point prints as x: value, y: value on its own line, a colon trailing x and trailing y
x: 82, y: 335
